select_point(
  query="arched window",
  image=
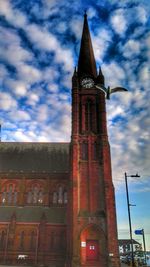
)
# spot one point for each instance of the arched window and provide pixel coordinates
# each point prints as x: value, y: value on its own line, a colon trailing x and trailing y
x: 35, y: 195
x: 60, y: 196
x: 9, y: 195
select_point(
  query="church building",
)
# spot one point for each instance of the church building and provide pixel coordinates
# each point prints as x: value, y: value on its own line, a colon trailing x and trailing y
x: 57, y: 204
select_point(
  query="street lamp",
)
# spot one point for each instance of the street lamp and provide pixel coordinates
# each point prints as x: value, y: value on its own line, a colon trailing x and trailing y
x: 129, y: 205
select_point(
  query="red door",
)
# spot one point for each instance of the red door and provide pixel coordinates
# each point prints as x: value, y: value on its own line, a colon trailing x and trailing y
x: 92, y: 248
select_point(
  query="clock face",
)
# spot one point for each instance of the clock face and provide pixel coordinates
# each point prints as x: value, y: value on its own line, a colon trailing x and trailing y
x: 87, y: 82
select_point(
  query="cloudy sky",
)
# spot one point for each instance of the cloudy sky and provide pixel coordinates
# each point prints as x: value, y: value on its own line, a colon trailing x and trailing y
x: 39, y: 47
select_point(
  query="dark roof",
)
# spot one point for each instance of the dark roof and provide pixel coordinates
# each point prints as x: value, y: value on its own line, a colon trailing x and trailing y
x: 54, y: 215
x: 34, y: 157
x: 126, y: 242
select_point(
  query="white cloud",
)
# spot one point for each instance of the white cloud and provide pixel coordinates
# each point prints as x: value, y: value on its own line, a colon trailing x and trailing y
x: 112, y: 113
x: 21, y: 136
x: 76, y: 25
x: 3, y: 72
x: 19, y: 88
x: 118, y: 21
x: 11, y: 49
x: 32, y: 99
x: 14, y: 16
x: 141, y: 14
x: 50, y: 74
x: 19, y: 115
x: 47, y: 41
x: 29, y: 73
x: 100, y: 43
x: 113, y: 73
x: 144, y: 76
x: 41, y: 38
x: 61, y: 27
x: 7, y: 102
x: 91, y: 12
x: 131, y: 48
x: 50, y: 7
x: 43, y: 113
x: 53, y: 88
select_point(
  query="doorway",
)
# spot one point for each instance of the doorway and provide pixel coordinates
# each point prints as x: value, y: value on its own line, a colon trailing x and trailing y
x: 92, y: 248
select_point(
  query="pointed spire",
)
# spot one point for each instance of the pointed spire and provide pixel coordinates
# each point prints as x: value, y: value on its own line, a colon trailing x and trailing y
x: 100, y: 78
x: 100, y: 72
x: 75, y: 71
x: 86, y: 63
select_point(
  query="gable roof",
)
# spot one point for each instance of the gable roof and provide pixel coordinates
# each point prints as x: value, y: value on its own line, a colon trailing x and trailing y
x: 34, y: 157
x: 127, y: 242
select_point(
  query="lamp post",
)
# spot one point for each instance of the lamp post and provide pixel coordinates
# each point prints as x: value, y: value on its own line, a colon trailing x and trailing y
x: 129, y: 215
x: 144, y: 245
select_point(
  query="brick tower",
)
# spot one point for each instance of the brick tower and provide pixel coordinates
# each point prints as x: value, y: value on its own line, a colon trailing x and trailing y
x: 93, y: 227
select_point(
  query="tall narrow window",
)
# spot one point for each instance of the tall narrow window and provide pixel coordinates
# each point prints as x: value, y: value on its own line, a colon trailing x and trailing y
x: 60, y: 195
x: 88, y: 116
x: 84, y: 151
x: 40, y: 197
x: 80, y: 118
x: 95, y: 151
x: 10, y: 194
x: 54, y: 197
x: 15, y: 197
x: 65, y: 197
x: 29, y: 197
x: 35, y: 195
x: 4, y: 197
x: 2, y: 240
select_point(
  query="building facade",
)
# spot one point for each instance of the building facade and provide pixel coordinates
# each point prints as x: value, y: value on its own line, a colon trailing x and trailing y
x: 125, y: 246
x: 57, y: 204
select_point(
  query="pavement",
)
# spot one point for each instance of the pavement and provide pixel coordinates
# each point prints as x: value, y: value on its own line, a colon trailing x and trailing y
x: 130, y: 265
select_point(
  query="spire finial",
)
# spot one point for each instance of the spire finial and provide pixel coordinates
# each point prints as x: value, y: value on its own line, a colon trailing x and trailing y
x: 85, y: 13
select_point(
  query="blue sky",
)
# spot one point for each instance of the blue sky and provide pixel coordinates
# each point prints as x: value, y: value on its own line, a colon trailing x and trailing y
x: 39, y: 49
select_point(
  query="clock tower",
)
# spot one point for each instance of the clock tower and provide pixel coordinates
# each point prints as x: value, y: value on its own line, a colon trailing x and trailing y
x: 93, y: 230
